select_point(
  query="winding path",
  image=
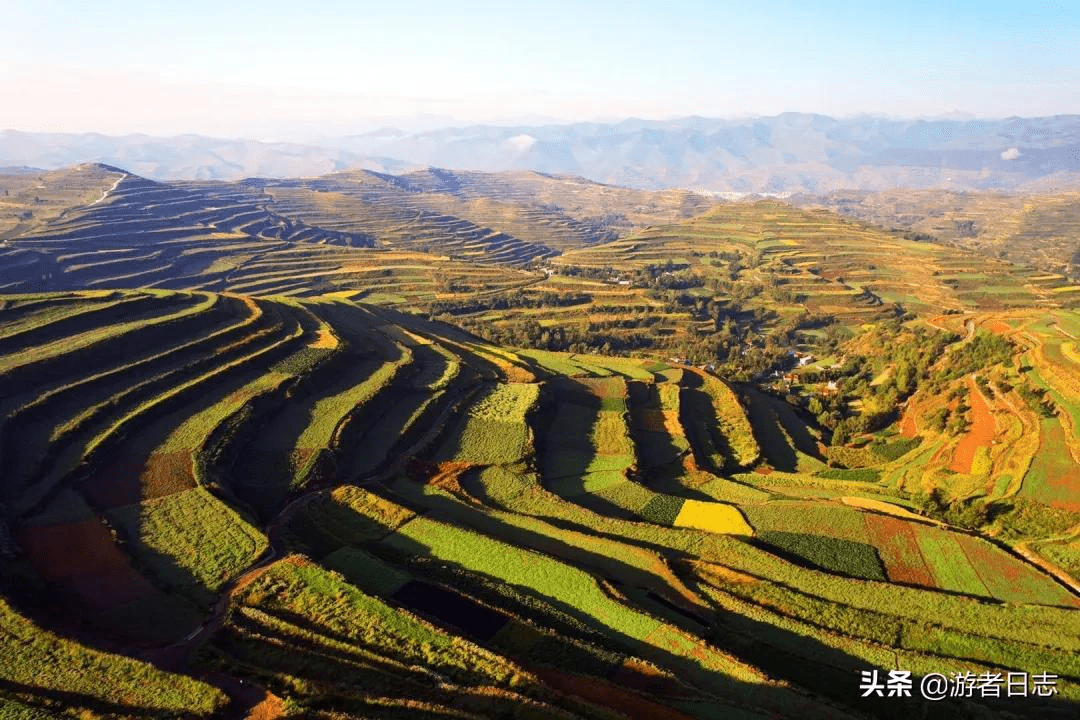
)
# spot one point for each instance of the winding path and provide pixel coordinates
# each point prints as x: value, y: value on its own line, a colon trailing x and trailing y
x: 105, y: 193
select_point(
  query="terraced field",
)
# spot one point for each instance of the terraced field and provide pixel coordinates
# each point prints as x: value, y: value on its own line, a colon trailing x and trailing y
x: 123, y: 231
x: 1019, y: 444
x: 283, y: 491
x: 237, y: 481
x: 1039, y: 229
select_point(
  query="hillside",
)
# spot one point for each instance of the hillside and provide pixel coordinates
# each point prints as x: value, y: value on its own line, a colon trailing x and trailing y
x: 97, y: 226
x: 1039, y: 229
x: 358, y: 480
x: 470, y: 445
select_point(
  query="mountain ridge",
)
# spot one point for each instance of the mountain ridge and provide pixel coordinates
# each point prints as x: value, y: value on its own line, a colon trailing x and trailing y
x: 787, y: 153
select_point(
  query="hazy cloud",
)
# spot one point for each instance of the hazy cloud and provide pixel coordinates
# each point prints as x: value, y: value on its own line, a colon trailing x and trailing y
x: 1010, y: 154
x: 522, y: 142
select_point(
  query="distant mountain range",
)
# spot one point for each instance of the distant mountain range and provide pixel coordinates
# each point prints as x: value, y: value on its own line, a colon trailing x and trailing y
x: 789, y: 153
x: 184, y: 157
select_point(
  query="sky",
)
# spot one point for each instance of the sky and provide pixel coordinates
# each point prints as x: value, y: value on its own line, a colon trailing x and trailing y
x: 274, y: 70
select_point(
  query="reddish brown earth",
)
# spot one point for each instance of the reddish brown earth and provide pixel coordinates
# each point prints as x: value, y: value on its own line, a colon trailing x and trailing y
x: 641, y: 676
x: 899, y: 549
x: 134, y: 480
x: 270, y: 708
x: 653, y: 420
x: 83, y: 557
x: 999, y: 327
x: 980, y: 434
x: 607, y: 694
x: 168, y: 474
x: 72, y: 548
x: 447, y: 474
x: 908, y: 428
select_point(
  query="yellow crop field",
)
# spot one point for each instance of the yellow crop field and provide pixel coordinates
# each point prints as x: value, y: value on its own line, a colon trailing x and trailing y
x: 325, y: 339
x: 881, y: 507
x: 1070, y: 351
x: 713, y: 517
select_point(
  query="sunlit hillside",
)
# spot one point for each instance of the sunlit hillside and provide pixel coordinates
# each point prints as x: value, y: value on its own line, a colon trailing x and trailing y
x: 453, y: 445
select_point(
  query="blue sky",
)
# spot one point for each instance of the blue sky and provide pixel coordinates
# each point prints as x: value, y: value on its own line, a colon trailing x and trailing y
x: 276, y: 70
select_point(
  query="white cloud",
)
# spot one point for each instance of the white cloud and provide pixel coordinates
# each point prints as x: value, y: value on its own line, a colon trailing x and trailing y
x: 1010, y: 154
x: 522, y: 142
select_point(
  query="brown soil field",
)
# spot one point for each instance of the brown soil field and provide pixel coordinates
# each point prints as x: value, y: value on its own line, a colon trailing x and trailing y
x: 83, y: 557
x: 639, y: 675
x: 130, y: 481
x: 908, y: 428
x: 719, y: 575
x: 270, y: 708
x: 899, y: 550
x: 606, y: 694
x: 999, y: 327
x: 167, y: 474
x: 981, y: 433
x: 448, y: 474
x: 603, y: 387
x: 72, y: 548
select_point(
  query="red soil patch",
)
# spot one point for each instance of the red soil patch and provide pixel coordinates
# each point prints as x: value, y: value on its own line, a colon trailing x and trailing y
x: 447, y: 475
x: 419, y: 470
x: 998, y: 327
x: 606, y: 694
x: 73, y: 548
x: 938, y: 321
x: 643, y: 677
x: 83, y: 557
x: 908, y: 428
x: 981, y: 433
x: 1063, y: 486
x: 130, y: 480
x: 270, y: 708
x: 899, y: 549
x: 168, y: 474
x: 763, y: 470
x: 603, y: 387
x: 300, y: 456
x: 718, y: 575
